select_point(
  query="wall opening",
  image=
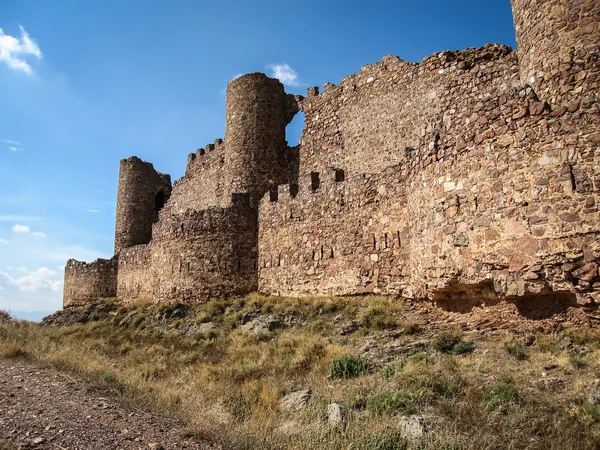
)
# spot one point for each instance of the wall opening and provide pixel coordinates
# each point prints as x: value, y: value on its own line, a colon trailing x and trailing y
x: 340, y: 175
x: 159, y: 201
x: 273, y: 194
x: 293, y: 131
x: 294, y: 190
x: 315, y: 181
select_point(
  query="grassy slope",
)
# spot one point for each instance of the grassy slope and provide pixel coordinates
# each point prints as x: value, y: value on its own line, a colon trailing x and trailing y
x: 477, y: 390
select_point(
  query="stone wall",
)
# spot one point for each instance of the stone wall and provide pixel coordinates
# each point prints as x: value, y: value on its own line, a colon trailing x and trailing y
x: 135, y: 279
x: 197, y: 255
x: 86, y: 283
x: 335, y: 236
x: 472, y: 174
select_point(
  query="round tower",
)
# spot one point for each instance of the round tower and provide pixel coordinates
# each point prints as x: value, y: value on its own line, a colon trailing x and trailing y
x: 142, y: 192
x: 557, y: 40
x: 258, y: 110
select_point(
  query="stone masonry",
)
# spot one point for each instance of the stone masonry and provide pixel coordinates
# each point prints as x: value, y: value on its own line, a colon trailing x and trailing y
x: 473, y: 174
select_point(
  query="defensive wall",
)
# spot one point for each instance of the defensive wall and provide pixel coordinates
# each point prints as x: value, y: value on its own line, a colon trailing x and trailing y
x: 473, y: 174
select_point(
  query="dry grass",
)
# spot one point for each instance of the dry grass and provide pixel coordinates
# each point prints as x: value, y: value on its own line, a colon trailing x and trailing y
x: 226, y: 385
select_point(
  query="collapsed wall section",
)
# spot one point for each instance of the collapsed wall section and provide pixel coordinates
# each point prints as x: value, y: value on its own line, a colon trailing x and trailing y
x: 89, y: 282
x: 333, y: 235
x: 381, y: 115
x: 197, y: 255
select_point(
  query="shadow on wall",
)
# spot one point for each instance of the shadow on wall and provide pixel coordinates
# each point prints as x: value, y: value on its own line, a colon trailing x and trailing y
x: 463, y: 298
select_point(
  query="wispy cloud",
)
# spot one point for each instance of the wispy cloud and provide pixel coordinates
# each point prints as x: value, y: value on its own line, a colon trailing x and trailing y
x: 34, y: 281
x: 13, y: 146
x: 285, y: 74
x: 20, y: 228
x: 24, y: 229
x: 17, y: 218
x: 3, y: 241
x: 93, y: 210
x: 13, y: 51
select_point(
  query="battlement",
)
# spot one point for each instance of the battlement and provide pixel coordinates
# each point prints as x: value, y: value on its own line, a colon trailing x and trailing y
x: 425, y: 180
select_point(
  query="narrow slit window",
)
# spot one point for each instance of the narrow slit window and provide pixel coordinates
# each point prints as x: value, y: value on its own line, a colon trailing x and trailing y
x: 340, y: 175
x: 273, y: 194
x: 294, y: 190
x: 315, y: 181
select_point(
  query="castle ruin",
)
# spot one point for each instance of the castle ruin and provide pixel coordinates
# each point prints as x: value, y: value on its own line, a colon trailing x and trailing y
x: 472, y: 174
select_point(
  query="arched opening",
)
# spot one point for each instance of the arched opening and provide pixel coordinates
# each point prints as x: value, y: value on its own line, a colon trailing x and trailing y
x: 159, y: 201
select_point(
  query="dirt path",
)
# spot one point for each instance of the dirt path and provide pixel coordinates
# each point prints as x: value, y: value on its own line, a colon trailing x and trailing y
x: 44, y: 409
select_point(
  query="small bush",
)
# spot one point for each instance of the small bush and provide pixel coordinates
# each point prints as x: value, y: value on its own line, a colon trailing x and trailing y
x: 588, y: 414
x: 377, y: 318
x: 394, y: 402
x: 390, y: 370
x: 449, y: 388
x: 386, y: 439
x: 462, y: 347
x: 411, y: 328
x: 578, y: 362
x: 501, y: 394
x: 517, y: 350
x: 348, y: 366
x: 453, y: 343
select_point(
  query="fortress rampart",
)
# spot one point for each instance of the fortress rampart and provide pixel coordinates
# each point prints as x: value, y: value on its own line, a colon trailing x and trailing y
x: 472, y: 174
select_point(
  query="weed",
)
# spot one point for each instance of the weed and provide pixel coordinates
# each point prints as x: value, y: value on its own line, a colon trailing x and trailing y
x: 588, y: 414
x: 518, y: 350
x: 501, y: 394
x: 578, y: 362
x: 390, y: 370
x: 448, y: 387
x: 386, y: 439
x: 411, y: 328
x: 453, y: 343
x: 348, y: 366
x: 394, y: 402
x: 377, y: 318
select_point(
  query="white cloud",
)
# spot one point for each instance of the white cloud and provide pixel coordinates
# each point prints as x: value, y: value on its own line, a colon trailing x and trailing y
x: 93, y: 210
x: 3, y: 241
x: 12, y: 149
x: 13, y: 146
x: 37, y: 280
x: 20, y: 228
x: 8, y: 141
x: 38, y: 234
x: 13, y: 50
x: 285, y: 74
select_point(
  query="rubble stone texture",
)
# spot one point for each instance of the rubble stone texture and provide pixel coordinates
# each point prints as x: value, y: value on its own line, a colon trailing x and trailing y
x: 472, y: 174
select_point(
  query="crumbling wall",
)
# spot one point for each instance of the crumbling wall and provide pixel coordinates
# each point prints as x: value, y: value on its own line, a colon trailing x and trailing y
x: 135, y: 279
x: 197, y: 255
x: 204, y: 182
x: 88, y: 282
x: 381, y: 115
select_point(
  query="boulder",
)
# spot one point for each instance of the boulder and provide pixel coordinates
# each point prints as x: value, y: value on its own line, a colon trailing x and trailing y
x: 295, y: 401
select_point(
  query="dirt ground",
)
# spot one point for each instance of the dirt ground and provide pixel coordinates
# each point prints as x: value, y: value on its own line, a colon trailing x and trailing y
x: 44, y: 409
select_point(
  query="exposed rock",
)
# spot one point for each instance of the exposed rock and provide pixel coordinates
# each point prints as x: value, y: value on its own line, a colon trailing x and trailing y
x: 551, y: 384
x: 337, y: 415
x: 262, y: 324
x: 412, y: 427
x: 290, y: 428
x: 295, y: 401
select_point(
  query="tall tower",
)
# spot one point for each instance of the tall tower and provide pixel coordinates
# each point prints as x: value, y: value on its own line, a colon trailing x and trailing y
x: 558, y: 43
x: 142, y: 192
x: 258, y: 110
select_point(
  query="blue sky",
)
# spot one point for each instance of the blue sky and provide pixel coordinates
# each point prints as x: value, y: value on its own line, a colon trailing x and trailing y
x: 84, y: 84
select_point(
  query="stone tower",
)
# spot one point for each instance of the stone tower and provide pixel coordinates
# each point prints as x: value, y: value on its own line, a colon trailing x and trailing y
x: 258, y: 111
x: 142, y: 192
x: 558, y: 43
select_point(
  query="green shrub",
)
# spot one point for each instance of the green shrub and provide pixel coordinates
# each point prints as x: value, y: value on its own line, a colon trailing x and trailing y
x: 449, y: 388
x: 588, y: 414
x: 578, y: 362
x: 386, y: 439
x: 411, y: 328
x: 503, y: 393
x: 452, y: 343
x: 394, y: 402
x: 517, y: 350
x: 377, y: 318
x: 348, y: 366
x: 391, y: 369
